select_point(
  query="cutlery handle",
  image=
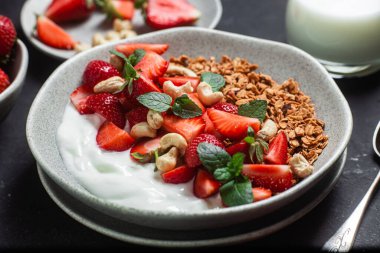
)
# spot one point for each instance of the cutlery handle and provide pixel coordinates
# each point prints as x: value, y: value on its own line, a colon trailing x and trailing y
x: 344, y: 238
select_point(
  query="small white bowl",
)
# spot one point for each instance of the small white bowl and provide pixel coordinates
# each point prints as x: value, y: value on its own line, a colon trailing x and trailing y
x: 17, y: 71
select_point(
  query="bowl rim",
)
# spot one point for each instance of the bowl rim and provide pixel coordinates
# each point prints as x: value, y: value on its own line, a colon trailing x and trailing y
x: 96, y: 201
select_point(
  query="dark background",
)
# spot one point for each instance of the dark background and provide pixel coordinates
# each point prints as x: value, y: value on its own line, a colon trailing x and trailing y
x: 29, y: 219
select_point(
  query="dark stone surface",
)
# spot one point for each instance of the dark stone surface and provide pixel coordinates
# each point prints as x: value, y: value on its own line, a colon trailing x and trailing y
x: 29, y: 219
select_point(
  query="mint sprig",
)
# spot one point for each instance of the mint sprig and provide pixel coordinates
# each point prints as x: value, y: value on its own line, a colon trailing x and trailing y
x: 254, y: 109
x: 185, y: 108
x: 237, y: 192
x: 216, y: 81
x: 232, y: 170
x: 212, y: 157
x: 156, y: 101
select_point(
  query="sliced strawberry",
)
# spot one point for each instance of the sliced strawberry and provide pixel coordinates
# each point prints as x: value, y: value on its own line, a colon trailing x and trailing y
x: 260, y: 193
x: 240, y: 146
x: 128, y: 49
x: 53, y: 35
x: 195, y: 99
x: 278, y: 150
x: 191, y: 154
x: 180, y: 80
x: 162, y: 14
x: 79, y: 97
x: 205, y: 185
x: 226, y: 107
x: 231, y: 125
x: 152, y: 65
x: 108, y: 106
x: 69, y: 10
x: 97, y: 71
x: 123, y: 9
x: 4, y: 81
x: 179, y: 175
x: 112, y: 138
x: 137, y: 115
x: 143, y: 150
x: 188, y: 128
x: 210, y: 128
x: 277, y: 178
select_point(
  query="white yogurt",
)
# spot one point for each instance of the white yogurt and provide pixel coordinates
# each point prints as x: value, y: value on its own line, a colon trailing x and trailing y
x: 114, y: 176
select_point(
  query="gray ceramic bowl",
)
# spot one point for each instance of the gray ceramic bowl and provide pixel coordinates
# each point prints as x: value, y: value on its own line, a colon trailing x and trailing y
x: 17, y: 72
x: 279, y: 60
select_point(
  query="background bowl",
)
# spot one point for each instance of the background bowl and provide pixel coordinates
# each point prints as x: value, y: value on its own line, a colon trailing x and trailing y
x: 16, y: 70
x: 279, y: 60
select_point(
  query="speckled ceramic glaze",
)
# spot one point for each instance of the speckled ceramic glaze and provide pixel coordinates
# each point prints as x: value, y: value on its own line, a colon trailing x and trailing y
x: 279, y: 60
x: 16, y: 71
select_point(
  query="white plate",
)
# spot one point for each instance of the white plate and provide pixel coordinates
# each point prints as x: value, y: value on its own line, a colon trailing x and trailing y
x: 211, y: 13
x: 132, y: 233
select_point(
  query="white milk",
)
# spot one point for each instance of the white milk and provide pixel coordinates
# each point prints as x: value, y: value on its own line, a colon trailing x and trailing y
x: 341, y: 31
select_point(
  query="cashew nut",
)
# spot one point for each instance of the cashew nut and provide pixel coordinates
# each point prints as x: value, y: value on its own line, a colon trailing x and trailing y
x: 173, y: 140
x: 127, y: 34
x: 176, y: 91
x: 120, y: 25
x: 154, y: 119
x: 80, y: 47
x: 142, y: 129
x: 111, y: 85
x: 98, y: 39
x: 268, y: 131
x: 207, y: 96
x: 117, y: 62
x: 180, y: 70
x: 300, y: 166
x: 112, y: 36
x: 167, y: 161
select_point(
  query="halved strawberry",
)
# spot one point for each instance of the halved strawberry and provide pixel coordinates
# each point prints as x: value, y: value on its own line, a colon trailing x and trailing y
x: 69, y: 10
x: 188, y: 128
x: 205, y: 185
x: 53, y: 35
x: 278, y: 150
x: 112, y: 138
x: 277, y: 178
x: 97, y: 71
x: 152, y: 65
x: 226, y: 107
x: 137, y: 115
x: 162, y: 14
x: 210, y: 128
x: 128, y: 49
x: 143, y: 150
x: 179, y: 175
x: 260, y: 193
x: 241, y: 146
x: 79, y: 97
x: 108, y: 106
x: 231, y: 125
x: 180, y: 80
x: 123, y: 9
x: 195, y: 99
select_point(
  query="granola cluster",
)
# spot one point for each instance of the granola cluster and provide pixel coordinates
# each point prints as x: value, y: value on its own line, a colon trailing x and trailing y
x: 288, y: 106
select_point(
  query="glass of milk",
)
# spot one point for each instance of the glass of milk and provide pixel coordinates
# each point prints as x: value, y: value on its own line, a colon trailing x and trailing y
x: 344, y: 35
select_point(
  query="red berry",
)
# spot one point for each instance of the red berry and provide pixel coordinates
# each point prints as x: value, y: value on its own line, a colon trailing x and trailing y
x: 69, y: 10
x: 205, y: 185
x: 79, y: 97
x: 188, y: 128
x: 191, y: 154
x: 152, y: 65
x: 4, y: 81
x: 8, y: 36
x: 179, y: 175
x: 278, y: 150
x: 260, y: 193
x: 112, y: 138
x: 97, y: 71
x: 137, y: 115
x: 226, y: 107
x: 128, y: 49
x: 144, y: 148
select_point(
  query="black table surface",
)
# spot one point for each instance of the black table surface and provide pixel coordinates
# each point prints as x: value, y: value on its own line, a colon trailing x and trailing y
x: 29, y: 219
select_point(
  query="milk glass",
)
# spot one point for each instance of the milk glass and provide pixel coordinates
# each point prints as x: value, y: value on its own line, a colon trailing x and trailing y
x: 344, y: 35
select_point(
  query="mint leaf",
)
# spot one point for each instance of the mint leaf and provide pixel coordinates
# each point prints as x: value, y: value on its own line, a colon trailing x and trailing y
x: 254, y: 109
x: 216, y: 81
x: 212, y: 157
x: 185, y: 108
x: 237, y: 192
x: 137, y: 56
x: 236, y: 164
x: 139, y: 4
x: 223, y: 175
x: 157, y: 101
x: 117, y: 53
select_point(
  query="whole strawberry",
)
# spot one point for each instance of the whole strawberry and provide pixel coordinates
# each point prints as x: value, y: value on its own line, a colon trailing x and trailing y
x: 8, y: 36
x: 4, y: 81
x: 97, y: 71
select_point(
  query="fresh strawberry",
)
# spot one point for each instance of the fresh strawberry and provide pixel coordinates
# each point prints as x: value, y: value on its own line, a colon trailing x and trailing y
x: 97, y: 71
x: 108, y: 106
x: 79, y: 97
x: 137, y: 115
x: 69, y: 10
x: 53, y: 35
x: 112, y: 138
x: 241, y: 146
x: 231, y: 125
x: 260, y: 193
x: 179, y: 175
x: 205, y: 185
x: 180, y: 80
x: 191, y: 154
x: 162, y: 14
x: 195, y: 99
x: 188, y: 128
x: 277, y: 178
x: 8, y: 36
x: 226, y: 107
x: 128, y: 49
x: 143, y: 150
x: 210, y: 128
x: 123, y: 9
x: 152, y: 65
x: 4, y: 81
x: 278, y: 150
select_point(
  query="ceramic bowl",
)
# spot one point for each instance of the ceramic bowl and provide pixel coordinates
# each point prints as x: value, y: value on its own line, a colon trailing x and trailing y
x: 279, y: 60
x: 16, y: 70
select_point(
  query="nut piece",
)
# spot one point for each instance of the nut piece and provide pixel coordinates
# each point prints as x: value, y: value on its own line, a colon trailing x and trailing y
x: 98, y: 39
x: 300, y: 166
x: 207, y: 96
x: 120, y: 25
x: 167, y: 161
x: 268, y: 131
x: 117, y: 62
x: 142, y: 129
x: 112, y: 36
x: 180, y: 70
x: 111, y: 85
x: 173, y: 140
x: 127, y: 34
x: 176, y: 91
x: 80, y: 47
x: 154, y: 119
